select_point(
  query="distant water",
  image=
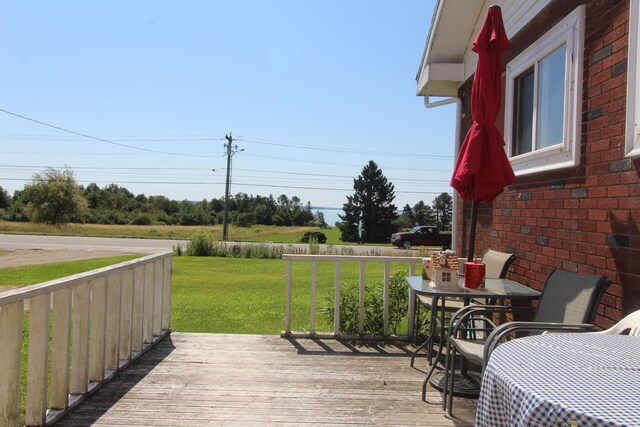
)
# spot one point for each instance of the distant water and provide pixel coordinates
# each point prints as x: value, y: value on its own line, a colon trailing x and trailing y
x: 330, y: 214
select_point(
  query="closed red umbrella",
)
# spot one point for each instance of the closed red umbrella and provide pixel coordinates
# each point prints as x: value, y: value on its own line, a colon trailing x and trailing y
x: 483, y: 170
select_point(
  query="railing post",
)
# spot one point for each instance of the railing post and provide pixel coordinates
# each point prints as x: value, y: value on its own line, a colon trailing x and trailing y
x: 336, y: 303
x: 148, y: 303
x: 361, y: 299
x: 10, y: 354
x: 412, y: 303
x: 126, y: 317
x: 312, y: 321
x: 137, y: 321
x: 385, y: 301
x: 60, y: 340
x: 38, y: 360
x: 158, y: 288
x: 112, y: 327
x: 166, y: 294
x: 80, y: 339
x: 287, y: 298
x: 97, y: 326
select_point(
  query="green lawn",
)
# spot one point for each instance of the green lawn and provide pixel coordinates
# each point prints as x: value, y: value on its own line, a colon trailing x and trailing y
x: 235, y: 295
x: 226, y: 295
x: 32, y: 274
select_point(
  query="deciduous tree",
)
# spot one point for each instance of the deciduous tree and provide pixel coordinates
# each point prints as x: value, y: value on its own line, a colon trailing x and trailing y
x: 54, y: 197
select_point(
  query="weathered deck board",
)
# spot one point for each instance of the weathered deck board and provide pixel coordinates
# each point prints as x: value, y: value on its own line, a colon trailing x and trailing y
x: 211, y: 379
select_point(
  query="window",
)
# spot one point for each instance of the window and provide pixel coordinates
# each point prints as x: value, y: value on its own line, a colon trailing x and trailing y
x: 543, y: 106
x: 633, y: 83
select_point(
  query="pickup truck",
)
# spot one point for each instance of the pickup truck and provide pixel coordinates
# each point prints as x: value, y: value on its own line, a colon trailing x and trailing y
x: 422, y: 235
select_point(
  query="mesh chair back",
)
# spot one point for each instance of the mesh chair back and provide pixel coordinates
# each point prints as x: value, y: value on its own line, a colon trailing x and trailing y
x: 496, y: 264
x: 570, y: 297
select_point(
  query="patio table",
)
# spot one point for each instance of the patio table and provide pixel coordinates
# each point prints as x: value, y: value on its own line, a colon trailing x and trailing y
x: 468, y: 384
x: 570, y: 379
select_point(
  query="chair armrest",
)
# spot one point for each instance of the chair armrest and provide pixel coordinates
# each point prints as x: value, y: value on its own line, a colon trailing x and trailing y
x: 499, y: 333
x: 467, y: 313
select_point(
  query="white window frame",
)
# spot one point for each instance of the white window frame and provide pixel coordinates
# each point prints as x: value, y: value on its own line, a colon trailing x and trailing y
x: 569, y: 31
x: 632, y: 144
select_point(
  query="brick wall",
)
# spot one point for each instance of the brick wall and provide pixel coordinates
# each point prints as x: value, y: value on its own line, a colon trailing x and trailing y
x: 584, y: 218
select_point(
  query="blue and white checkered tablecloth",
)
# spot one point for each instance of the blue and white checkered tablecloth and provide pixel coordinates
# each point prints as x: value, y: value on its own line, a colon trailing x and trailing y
x: 573, y: 379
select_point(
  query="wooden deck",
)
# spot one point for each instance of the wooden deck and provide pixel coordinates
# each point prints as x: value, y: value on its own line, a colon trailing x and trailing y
x: 211, y: 379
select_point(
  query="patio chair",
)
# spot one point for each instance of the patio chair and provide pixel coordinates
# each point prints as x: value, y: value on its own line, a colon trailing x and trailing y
x: 629, y: 325
x: 568, y: 302
x: 496, y: 267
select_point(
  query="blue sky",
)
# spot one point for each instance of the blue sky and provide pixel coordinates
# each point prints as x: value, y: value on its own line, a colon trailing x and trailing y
x: 311, y: 90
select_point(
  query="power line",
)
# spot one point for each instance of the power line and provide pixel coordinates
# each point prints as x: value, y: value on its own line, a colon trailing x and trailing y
x: 303, y: 174
x: 315, y: 162
x: 338, y: 150
x: 99, y: 139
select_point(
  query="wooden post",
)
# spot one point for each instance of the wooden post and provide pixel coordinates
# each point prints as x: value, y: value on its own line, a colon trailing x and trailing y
x: 10, y: 355
x: 60, y: 344
x: 38, y: 360
x: 80, y: 339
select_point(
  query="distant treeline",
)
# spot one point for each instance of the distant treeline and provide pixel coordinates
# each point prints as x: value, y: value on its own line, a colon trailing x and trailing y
x: 114, y: 204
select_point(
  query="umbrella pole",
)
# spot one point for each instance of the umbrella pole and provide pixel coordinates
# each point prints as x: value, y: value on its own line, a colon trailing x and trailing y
x: 472, y: 232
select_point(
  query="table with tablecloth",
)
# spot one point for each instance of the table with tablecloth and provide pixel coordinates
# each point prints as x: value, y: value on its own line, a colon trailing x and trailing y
x: 562, y: 379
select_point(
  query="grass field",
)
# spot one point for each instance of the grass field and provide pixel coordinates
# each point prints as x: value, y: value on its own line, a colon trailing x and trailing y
x: 32, y: 274
x: 258, y: 233
x: 225, y: 295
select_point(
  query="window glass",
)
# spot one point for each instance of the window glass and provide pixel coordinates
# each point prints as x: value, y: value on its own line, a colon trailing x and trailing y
x: 543, y: 107
x: 551, y: 80
x: 523, y: 113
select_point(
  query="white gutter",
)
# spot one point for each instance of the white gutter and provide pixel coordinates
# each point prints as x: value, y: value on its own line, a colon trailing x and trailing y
x: 425, y: 54
x: 458, y: 102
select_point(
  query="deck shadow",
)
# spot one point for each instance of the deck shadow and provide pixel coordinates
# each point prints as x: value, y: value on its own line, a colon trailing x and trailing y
x: 104, y: 398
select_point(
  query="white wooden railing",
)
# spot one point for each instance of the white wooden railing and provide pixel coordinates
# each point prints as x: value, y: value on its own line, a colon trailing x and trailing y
x: 100, y: 321
x: 338, y: 260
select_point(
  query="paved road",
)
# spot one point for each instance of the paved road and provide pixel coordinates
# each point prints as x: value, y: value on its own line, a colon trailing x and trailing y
x: 15, y: 241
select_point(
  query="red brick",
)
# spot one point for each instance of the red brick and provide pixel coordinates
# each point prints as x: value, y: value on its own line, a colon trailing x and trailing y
x: 618, y: 191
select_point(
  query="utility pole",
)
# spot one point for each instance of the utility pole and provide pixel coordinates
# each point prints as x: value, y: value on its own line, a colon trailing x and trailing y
x: 231, y: 150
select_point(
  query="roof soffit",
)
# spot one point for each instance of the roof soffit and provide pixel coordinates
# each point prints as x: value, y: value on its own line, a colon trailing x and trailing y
x: 451, y: 36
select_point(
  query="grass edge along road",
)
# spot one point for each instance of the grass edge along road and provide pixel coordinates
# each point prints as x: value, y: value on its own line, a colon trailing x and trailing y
x: 257, y: 233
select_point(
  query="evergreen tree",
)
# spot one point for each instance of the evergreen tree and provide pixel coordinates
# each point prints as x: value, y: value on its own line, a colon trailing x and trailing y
x: 443, y: 206
x: 5, y: 200
x: 423, y: 214
x: 372, y: 203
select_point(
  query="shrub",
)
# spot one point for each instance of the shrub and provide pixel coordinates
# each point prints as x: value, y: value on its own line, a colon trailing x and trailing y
x: 319, y: 236
x: 374, y: 308
x: 200, y: 245
x: 142, y: 218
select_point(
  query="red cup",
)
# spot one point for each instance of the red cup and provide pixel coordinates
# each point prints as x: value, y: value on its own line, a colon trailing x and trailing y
x: 474, y: 273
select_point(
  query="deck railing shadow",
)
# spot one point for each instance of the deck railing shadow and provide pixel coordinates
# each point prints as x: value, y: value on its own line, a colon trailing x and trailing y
x: 82, y: 330
x: 340, y: 347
